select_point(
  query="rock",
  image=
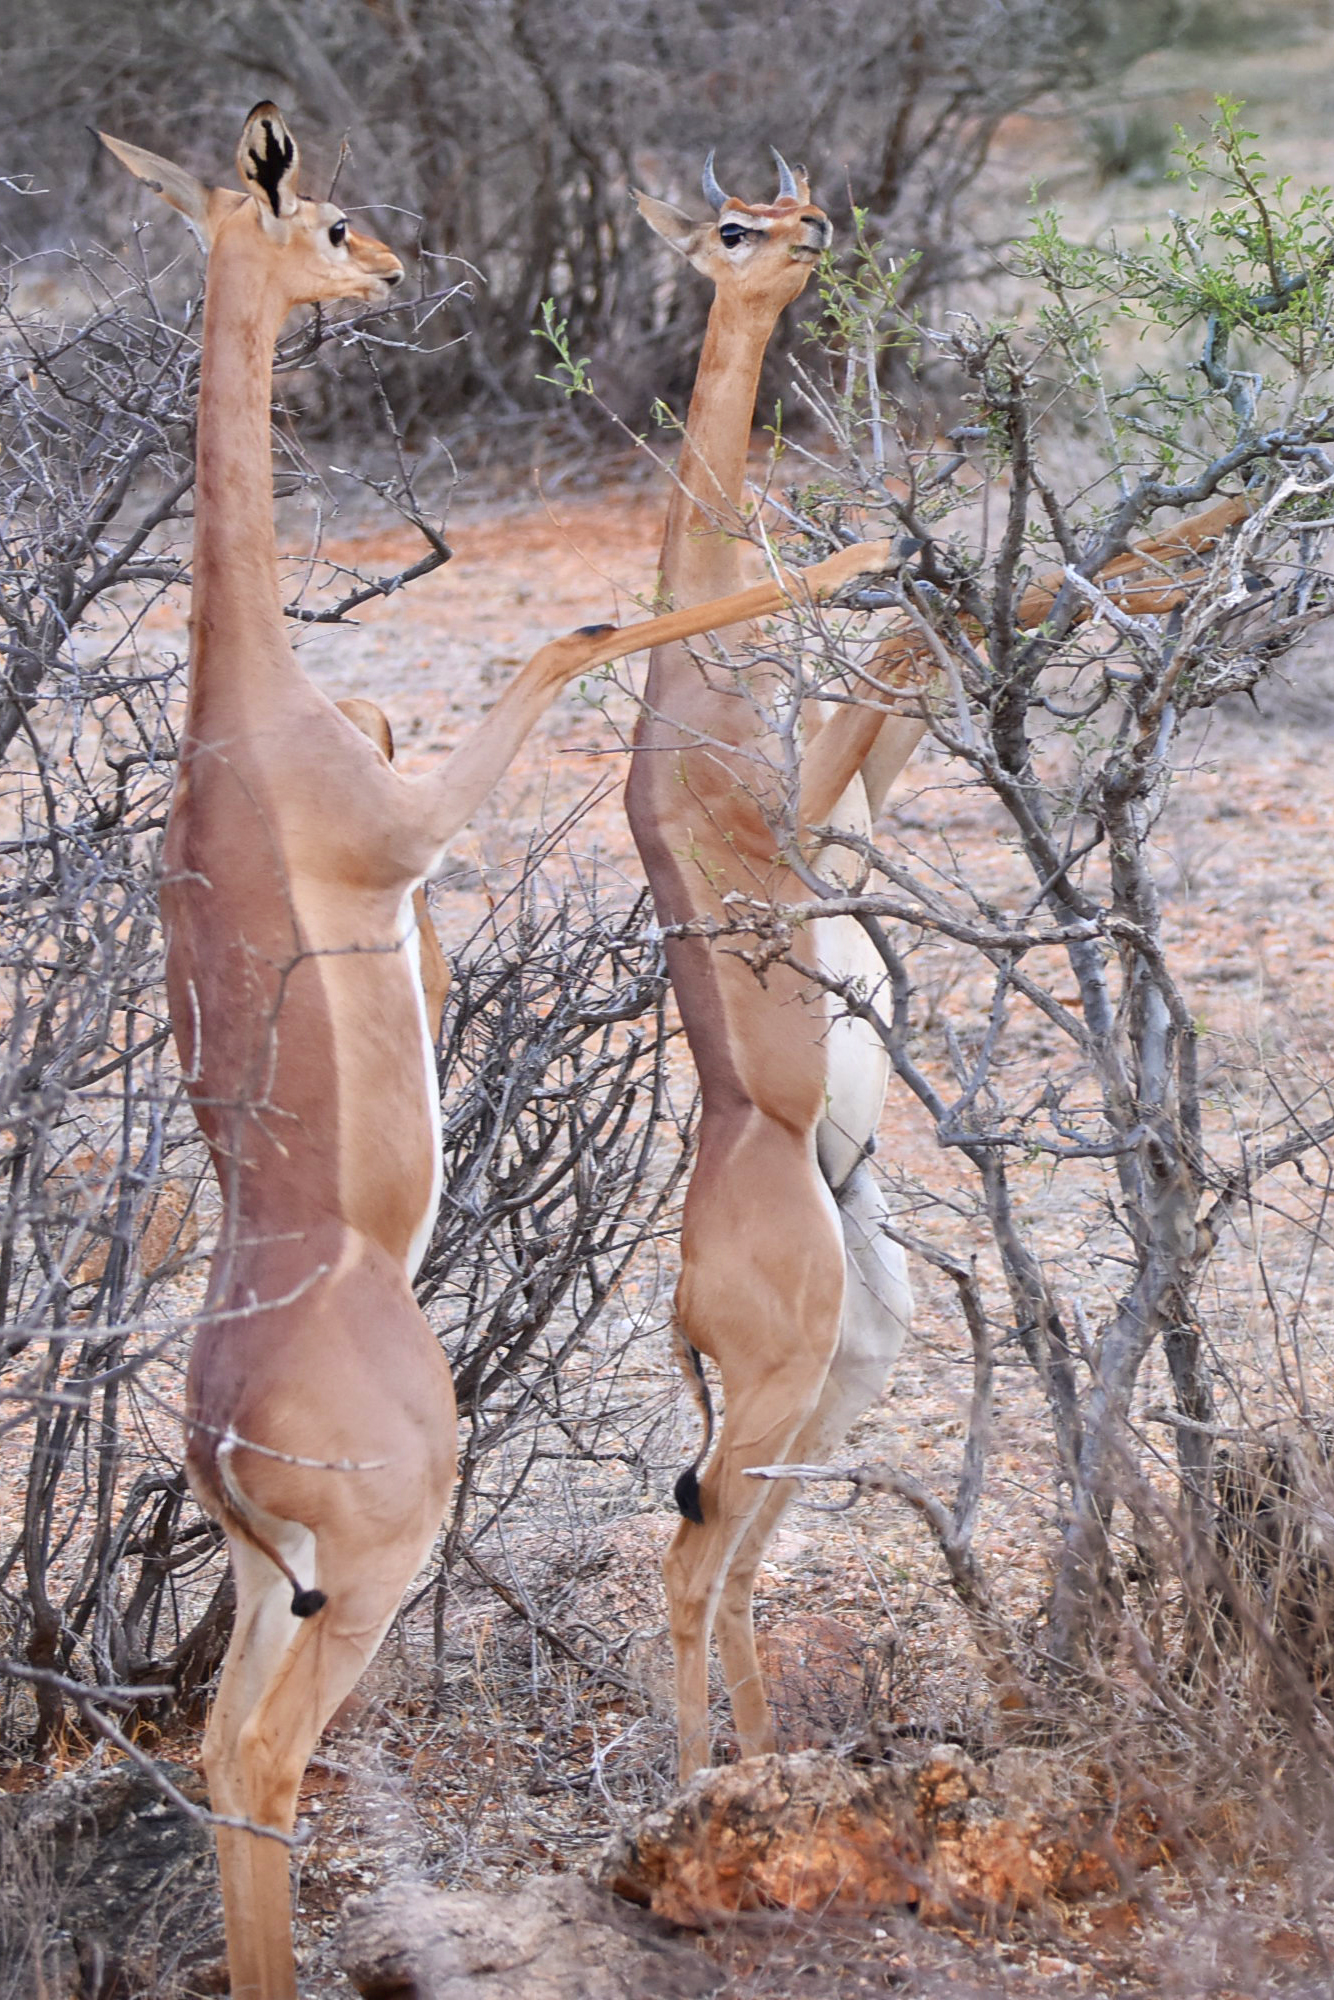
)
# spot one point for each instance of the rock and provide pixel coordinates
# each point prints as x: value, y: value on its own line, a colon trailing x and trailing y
x: 555, y: 1938
x: 117, y: 1889
x: 931, y: 1830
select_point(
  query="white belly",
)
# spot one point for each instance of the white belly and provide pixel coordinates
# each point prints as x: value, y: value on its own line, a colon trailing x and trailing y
x: 856, y: 1063
x: 421, y: 1235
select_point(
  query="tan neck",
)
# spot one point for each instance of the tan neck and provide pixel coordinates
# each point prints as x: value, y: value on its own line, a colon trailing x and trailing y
x: 701, y: 557
x: 236, y: 606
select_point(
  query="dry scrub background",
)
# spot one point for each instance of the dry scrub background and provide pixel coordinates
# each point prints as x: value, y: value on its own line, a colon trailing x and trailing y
x: 545, y: 1717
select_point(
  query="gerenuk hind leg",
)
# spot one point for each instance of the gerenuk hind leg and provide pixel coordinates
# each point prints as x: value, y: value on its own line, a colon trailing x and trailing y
x: 761, y: 1292
x: 284, y: 1679
x: 877, y: 1309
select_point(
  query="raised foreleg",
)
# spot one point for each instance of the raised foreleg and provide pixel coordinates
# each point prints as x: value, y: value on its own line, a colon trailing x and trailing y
x: 451, y: 794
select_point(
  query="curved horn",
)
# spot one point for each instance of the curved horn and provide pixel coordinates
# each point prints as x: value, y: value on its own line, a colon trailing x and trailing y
x: 713, y: 194
x: 787, y: 181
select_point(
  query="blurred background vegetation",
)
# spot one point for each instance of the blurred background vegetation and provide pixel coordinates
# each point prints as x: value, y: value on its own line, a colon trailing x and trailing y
x: 508, y: 132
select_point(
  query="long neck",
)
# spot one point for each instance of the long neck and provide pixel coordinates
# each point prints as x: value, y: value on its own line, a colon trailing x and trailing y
x: 236, y: 609
x: 701, y: 556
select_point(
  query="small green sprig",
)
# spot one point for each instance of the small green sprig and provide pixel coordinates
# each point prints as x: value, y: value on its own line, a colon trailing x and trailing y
x: 572, y: 376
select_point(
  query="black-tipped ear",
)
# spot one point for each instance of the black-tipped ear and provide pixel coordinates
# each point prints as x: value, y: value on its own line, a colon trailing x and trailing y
x: 268, y: 160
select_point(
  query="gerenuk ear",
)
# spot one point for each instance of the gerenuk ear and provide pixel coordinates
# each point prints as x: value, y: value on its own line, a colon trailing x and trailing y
x: 672, y: 224
x: 268, y: 160
x: 189, y: 196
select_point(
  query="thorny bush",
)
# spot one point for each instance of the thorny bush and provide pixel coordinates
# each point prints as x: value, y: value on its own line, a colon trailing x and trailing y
x: 1124, y: 537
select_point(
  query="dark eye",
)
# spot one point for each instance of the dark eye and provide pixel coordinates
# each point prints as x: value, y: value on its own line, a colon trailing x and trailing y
x: 732, y: 233
x: 337, y: 232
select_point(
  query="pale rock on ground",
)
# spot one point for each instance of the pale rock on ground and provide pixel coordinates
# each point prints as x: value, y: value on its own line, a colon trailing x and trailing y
x: 554, y: 1939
